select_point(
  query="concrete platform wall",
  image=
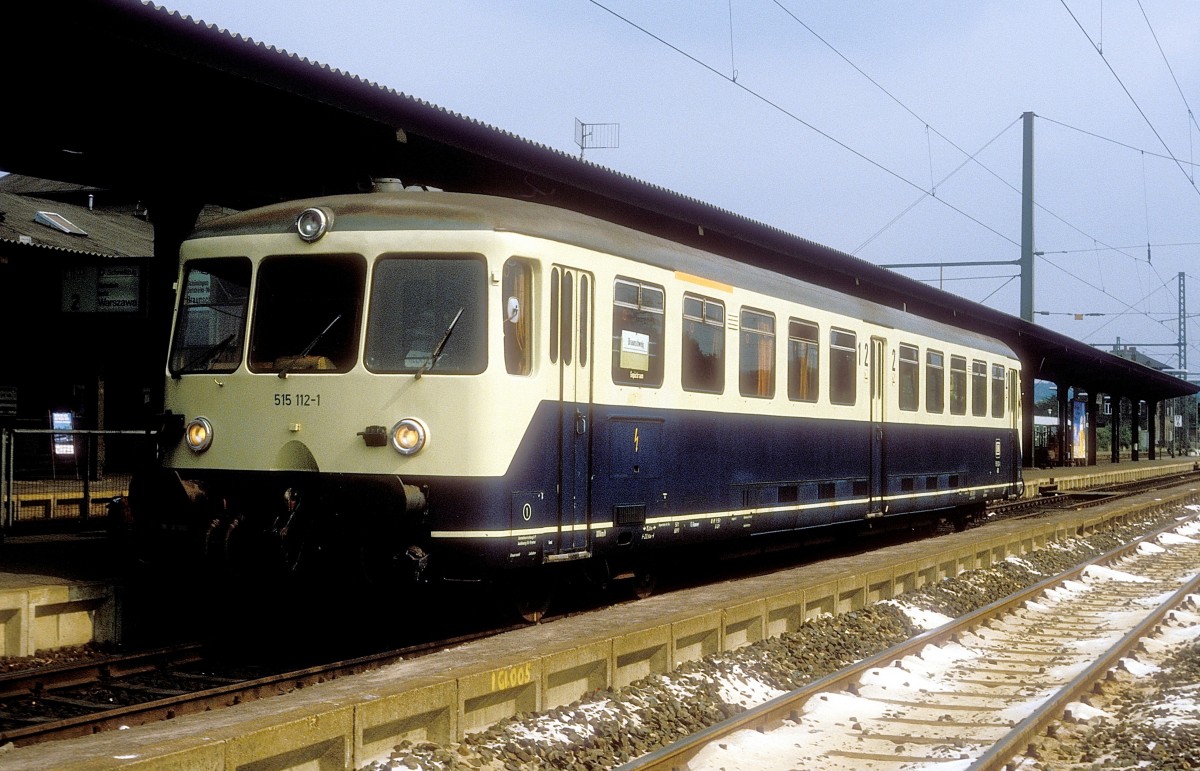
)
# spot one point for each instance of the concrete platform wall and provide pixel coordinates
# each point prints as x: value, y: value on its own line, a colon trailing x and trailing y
x: 40, y: 618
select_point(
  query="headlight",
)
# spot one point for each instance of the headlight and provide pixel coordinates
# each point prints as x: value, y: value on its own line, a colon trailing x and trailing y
x: 409, y: 436
x: 312, y: 223
x: 198, y: 434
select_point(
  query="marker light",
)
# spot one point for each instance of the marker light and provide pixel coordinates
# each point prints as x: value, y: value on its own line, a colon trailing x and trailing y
x: 198, y: 434
x: 409, y: 436
x: 312, y: 223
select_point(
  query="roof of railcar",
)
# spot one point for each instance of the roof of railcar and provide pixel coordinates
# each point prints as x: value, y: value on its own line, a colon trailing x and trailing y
x: 428, y: 210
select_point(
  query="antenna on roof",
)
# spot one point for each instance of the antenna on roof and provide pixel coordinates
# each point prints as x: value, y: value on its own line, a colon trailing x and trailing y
x: 596, y: 135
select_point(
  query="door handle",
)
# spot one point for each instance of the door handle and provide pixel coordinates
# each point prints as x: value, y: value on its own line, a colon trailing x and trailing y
x: 580, y: 423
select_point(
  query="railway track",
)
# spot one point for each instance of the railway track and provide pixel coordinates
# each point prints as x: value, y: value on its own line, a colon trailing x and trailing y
x: 78, y: 699
x: 1053, y: 499
x: 975, y: 691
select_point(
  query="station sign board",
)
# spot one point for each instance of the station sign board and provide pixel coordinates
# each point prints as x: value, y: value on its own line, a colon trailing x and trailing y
x: 115, y: 288
x: 8, y: 401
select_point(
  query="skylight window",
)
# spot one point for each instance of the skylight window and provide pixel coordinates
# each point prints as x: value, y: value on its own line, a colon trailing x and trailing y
x: 58, y: 222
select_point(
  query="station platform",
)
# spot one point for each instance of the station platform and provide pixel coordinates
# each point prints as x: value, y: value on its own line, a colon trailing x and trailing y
x: 57, y: 590
x: 1040, y: 481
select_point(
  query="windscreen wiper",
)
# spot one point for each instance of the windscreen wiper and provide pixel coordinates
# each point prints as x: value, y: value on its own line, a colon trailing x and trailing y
x: 437, y: 351
x: 283, y: 371
x: 205, y: 356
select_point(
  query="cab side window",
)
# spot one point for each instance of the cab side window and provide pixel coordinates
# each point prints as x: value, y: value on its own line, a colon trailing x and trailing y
x: 518, y: 331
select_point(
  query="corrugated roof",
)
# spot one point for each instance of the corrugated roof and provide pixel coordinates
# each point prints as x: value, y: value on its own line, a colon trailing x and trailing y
x: 111, y: 232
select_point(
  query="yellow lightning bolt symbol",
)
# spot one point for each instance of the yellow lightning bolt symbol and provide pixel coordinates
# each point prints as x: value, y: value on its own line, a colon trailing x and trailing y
x: 636, y: 440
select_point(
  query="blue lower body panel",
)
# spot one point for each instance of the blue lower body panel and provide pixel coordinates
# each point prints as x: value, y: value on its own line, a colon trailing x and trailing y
x: 654, y: 480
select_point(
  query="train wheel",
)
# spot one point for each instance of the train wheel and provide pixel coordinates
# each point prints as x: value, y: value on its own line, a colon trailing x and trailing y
x: 531, y: 599
x: 643, y: 584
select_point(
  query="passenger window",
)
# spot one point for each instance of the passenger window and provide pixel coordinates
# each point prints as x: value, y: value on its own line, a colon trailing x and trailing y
x: 757, y: 354
x: 803, y: 361
x: 909, y: 377
x: 979, y: 404
x: 958, y: 385
x: 518, y: 329
x: 843, y: 356
x: 703, y: 365
x: 935, y: 383
x: 998, y: 390
x: 637, y: 333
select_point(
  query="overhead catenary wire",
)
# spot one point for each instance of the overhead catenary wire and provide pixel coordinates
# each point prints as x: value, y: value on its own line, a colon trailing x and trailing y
x: 1137, y: 106
x: 1175, y: 80
x: 793, y: 116
x: 861, y: 155
x: 933, y: 188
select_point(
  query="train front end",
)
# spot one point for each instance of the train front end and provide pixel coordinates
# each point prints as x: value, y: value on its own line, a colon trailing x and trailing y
x: 327, y: 365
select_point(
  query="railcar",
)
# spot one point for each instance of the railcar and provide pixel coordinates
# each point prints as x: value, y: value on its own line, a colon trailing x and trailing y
x: 430, y: 385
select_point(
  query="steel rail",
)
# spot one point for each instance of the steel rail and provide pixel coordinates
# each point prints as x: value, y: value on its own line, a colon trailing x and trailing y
x: 221, y: 696
x: 772, y: 713
x: 21, y: 682
x: 1000, y: 753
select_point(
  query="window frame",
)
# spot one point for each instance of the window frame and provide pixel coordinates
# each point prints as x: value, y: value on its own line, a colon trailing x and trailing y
x: 764, y: 352
x: 843, y: 368
x: 935, y: 396
x: 809, y: 361
x: 908, y: 371
x: 999, y: 384
x: 478, y: 313
x: 517, y: 284
x: 958, y: 385
x: 689, y: 377
x: 640, y: 314
x: 336, y: 324
x: 979, y: 388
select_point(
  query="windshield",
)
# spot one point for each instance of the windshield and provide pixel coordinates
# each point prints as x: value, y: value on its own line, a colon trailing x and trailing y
x: 212, y: 316
x: 306, y: 312
x: 418, y: 302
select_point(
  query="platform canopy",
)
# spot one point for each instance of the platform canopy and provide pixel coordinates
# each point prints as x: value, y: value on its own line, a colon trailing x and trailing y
x: 121, y: 95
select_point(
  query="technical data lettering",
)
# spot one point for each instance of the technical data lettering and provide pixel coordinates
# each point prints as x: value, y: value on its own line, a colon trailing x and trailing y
x: 511, y: 677
x: 297, y: 400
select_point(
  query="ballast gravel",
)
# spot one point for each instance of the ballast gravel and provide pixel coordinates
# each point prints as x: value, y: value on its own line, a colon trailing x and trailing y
x: 610, y: 727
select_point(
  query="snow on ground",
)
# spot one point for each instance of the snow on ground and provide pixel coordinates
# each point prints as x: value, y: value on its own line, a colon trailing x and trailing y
x: 1101, y: 573
x: 921, y: 618
x: 824, y: 718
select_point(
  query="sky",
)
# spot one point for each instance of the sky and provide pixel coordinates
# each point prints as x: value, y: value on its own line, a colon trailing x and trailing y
x: 888, y: 130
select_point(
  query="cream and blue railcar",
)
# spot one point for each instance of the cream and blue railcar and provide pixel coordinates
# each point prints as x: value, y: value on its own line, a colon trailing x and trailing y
x: 464, y: 387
